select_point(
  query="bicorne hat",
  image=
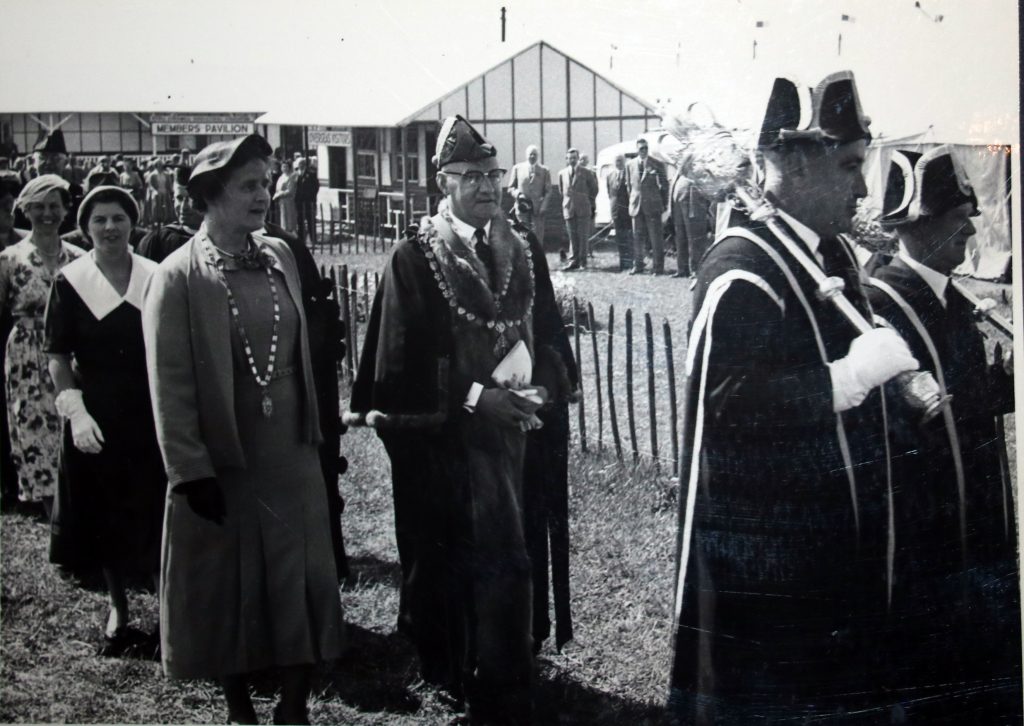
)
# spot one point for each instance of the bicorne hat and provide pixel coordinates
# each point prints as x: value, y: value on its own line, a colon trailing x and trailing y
x: 459, y: 141
x: 830, y: 111
x: 52, y: 143
x: 925, y: 185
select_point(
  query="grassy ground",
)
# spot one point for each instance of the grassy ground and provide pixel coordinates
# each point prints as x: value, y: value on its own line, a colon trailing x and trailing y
x: 615, y: 672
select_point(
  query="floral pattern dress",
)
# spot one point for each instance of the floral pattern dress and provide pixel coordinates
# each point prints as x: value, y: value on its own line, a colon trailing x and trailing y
x: 35, y: 426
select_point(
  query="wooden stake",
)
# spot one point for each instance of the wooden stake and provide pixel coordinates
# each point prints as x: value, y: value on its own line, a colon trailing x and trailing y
x: 651, y: 410
x: 597, y: 377
x: 611, y: 384
x: 582, y: 410
x: 672, y: 404
x: 630, y: 410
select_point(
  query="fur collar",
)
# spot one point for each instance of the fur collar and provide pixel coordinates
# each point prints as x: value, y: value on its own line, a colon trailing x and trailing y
x: 462, y: 278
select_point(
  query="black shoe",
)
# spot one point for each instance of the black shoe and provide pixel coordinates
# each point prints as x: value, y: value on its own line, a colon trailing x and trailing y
x: 681, y: 274
x: 637, y: 271
x: 570, y: 267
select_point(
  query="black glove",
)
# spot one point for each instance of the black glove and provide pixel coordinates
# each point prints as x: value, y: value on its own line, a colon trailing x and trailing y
x: 204, y: 498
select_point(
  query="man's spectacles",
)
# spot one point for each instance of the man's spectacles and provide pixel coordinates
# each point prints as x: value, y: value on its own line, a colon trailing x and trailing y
x: 473, y: 178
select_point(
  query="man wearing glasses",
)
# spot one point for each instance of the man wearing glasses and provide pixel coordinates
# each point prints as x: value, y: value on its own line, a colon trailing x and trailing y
x: 458, y: 295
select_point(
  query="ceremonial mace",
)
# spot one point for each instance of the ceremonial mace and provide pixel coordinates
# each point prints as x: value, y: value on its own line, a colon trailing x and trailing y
x: 719, y: 168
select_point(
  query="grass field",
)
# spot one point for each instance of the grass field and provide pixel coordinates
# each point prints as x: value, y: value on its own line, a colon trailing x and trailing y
x: 615, y: 672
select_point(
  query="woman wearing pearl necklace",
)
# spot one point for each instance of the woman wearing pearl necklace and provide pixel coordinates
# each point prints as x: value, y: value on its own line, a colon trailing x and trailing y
x: 248, y: 576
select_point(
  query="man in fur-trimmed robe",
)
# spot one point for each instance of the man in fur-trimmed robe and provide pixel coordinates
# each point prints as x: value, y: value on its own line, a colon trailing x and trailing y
x: 456, y: 296
x: 783, y: 578
x: 954, y: 625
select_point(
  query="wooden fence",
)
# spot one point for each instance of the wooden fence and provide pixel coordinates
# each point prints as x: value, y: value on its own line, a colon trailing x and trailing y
x: 638, y: 371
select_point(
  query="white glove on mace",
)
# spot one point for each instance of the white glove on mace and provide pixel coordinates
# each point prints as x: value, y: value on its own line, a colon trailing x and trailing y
x: 84, y: 430
x: 874, y: 358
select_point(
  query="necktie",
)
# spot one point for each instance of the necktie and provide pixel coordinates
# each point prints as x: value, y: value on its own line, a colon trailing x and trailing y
x: 641, y: 166
x: 837, y: 263
x: 483, y: 251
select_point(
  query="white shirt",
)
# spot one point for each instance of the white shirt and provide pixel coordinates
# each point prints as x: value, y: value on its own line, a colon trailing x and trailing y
x: 809, y: 236
x: 935, y: 280
x: 467, y: 233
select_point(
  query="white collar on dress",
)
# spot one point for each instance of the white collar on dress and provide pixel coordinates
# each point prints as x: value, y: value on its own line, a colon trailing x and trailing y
x: 467, y: 232
x: 935, y: 280
x: 96, y: 291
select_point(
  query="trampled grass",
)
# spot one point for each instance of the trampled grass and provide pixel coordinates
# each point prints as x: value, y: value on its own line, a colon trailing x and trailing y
x: 622, y: 548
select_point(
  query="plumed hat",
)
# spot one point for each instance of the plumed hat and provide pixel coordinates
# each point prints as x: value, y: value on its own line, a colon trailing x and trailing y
x: 52, y: 143
x: 459, y: 141
x: 221, y: 153
x: 925, y: 185
x: 830, y: 111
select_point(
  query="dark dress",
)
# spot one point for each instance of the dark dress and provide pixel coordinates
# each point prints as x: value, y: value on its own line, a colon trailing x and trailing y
x: 109, y: 506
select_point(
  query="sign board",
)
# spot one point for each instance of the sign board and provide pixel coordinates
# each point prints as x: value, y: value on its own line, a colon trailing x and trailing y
x: 328, y: 137
x: 202, y: 128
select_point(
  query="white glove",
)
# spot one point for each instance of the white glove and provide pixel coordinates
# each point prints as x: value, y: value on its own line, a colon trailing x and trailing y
x: 874, y: 358
x: 84, y: 431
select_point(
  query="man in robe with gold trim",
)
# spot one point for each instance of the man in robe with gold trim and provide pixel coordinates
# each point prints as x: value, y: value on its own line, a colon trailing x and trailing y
x: 455, y: 298
x: 783, y: 580
x: 955, y: 629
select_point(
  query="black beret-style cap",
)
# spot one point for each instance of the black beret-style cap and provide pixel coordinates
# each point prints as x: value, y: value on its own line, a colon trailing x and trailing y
x: 52, y: 143
x: 833, y: 109
x: 459, y: 141
x: 220, y: 154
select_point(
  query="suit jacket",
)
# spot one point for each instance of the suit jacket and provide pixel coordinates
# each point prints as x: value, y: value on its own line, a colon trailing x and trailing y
x: 536, y: 189
x: 186, y: 323
x: 618, y: 192
x: 648, y: 190
x: 578, y: 192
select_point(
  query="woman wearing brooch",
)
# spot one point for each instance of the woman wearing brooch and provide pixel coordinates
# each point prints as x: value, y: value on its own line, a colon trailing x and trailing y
x: 248, y: 575
x: 109, y: 506
x: 27, y: 270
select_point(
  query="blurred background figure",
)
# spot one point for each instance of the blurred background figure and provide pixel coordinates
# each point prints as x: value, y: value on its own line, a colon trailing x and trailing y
x: 693, y: 224
x: 284, y: 196
x: 10, y: 187
x: 618, y: 197
x: 158, y: 195
x: 306, y: 188
x: 533, y: 180
x: 648, y: 192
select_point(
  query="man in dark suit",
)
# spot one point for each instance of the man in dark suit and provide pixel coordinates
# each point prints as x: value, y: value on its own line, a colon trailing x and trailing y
x: 578, y: 188
x: 955, y: 625
x: 648, y: 193
x: 693, y: 224
x: 306, y: 188
x: 618, y: 197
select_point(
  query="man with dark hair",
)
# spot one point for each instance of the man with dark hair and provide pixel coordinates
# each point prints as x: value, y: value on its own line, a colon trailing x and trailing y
x: 648, y: 192
x: 578, y: 187
x: 785, y: 525
x: 459, y: 296
x: 955, y: 627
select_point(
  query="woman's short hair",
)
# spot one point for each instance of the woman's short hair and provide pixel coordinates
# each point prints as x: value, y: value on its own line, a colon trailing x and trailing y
x: 106, y: 195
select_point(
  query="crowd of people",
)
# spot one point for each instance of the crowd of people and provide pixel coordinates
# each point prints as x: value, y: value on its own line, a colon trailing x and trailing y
x: 847, y: 549
x: 156, y: 183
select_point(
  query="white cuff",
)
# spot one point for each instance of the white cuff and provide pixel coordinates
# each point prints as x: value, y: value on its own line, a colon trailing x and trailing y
x: 472, y: 397
x: 847, y: 392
